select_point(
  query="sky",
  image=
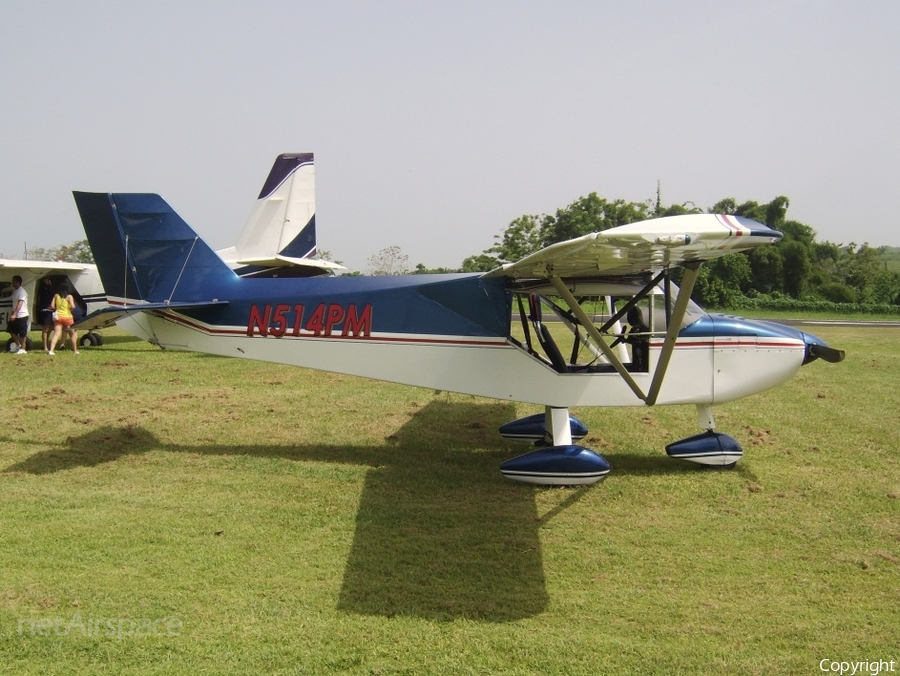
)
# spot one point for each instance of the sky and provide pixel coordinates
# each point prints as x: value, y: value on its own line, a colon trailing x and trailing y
x: 434, y: 125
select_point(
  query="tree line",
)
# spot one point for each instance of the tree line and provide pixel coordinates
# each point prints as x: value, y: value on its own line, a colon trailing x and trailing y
x: 798, y: 272
x: 799, y: 267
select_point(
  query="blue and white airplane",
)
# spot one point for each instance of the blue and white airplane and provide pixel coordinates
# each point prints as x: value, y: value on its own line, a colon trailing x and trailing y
x: 479, y: 334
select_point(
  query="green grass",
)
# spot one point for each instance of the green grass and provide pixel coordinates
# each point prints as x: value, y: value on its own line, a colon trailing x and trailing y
x: 291, y: 521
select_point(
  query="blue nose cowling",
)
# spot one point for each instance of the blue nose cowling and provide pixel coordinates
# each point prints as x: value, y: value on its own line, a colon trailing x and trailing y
x: 726, y: 325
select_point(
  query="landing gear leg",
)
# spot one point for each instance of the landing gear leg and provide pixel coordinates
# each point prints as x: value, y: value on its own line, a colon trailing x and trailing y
x: 705, y: 417
x: 556, y: 421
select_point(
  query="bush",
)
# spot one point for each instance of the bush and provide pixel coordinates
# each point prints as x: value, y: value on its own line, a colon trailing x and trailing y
x: 837, y: 293
x: 764, y: 302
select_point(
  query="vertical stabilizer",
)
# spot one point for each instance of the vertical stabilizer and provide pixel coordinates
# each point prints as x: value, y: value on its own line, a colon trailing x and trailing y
x: 145, y: 252
x: 283, y: 220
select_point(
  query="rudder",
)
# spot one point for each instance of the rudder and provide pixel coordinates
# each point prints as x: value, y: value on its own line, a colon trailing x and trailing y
x: 146, y: 252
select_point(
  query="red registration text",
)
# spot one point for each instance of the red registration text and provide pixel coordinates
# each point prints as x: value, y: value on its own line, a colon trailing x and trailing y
x: 327, y: 319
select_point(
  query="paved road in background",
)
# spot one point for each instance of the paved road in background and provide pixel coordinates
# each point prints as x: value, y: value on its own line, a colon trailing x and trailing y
x: 838, y: 322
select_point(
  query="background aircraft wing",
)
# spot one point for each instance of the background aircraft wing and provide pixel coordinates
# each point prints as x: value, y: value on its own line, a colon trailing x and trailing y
x: 642, y: 247
x: 40, y: 267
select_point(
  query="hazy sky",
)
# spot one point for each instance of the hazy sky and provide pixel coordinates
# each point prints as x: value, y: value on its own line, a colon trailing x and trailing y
x: 436, y: 124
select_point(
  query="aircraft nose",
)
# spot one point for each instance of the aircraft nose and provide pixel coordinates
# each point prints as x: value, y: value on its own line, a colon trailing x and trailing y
x: 816, y: 348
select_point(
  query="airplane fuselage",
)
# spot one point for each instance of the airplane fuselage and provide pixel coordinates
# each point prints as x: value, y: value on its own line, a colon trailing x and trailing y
x: 453, y: 332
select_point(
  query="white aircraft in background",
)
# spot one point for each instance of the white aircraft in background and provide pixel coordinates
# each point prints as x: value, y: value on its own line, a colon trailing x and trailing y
x: 279, y: 239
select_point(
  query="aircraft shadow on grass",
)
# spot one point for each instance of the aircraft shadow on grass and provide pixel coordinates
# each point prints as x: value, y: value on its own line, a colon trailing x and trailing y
x: 420, y: 546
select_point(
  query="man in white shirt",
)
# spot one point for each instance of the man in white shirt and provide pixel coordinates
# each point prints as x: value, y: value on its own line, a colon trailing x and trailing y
x: 18, y: 319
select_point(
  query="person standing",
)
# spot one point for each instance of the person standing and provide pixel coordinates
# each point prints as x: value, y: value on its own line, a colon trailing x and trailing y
x: 18, y: 318
x: 45, y: 312
x: 62, y: 305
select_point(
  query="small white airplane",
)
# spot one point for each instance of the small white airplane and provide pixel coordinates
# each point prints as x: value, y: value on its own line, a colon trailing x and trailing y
x: 279, y: 239
x: 83, y: 279
x: 479, y: 334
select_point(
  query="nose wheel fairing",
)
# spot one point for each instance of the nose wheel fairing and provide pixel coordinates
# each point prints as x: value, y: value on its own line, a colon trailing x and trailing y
x: 710, y: 448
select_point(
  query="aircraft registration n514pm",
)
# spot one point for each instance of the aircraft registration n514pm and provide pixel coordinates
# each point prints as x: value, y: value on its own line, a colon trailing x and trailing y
x: 480, y: 334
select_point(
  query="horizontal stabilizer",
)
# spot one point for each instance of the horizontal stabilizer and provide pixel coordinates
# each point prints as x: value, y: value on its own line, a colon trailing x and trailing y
x: 286, y: 261
x: 99, y: 319
x: 107, y: 316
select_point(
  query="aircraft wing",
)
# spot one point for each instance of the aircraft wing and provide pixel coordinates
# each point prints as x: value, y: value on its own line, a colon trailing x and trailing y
x: 99, y: 319
x: 642, y: 247
x: 42, y: 267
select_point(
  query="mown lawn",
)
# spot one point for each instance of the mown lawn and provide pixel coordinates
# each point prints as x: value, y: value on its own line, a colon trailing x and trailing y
x: 167, y: 512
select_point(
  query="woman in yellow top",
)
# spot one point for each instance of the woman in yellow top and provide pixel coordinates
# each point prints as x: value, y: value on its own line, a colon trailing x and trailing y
x: 62, y: 307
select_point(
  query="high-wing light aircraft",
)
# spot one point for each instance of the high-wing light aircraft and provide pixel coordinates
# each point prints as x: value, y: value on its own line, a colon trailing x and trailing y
x: 279, y: 239
x: 480, y: 334
x: 83, y: 279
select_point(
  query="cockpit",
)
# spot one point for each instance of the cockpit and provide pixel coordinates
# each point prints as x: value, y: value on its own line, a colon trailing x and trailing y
x: 626, y: 317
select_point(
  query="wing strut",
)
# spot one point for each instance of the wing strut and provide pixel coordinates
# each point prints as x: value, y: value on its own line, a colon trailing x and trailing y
x: 589, y: 326
x: 691, y: 271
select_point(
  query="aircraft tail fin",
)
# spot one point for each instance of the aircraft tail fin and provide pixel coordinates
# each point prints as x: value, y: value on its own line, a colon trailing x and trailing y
x: 283, y: 220
x: 146, y: 253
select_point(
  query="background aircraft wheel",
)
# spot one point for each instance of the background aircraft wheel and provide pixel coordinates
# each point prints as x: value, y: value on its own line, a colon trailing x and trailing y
x: 98, y: 338
x: 87, y: 340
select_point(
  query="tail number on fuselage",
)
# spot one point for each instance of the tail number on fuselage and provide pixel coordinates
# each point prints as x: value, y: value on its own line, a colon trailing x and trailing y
x: 327, y: 319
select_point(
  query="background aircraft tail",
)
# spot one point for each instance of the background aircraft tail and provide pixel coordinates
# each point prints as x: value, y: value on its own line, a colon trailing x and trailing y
x: 146, y: 253
x: 283, y: 220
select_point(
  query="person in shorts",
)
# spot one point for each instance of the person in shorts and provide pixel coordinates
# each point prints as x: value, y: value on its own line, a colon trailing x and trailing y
x: 63, y: 305
x: 18, y: 318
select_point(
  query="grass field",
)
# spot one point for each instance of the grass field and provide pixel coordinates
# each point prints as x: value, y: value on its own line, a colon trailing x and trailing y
x: 180, y: 513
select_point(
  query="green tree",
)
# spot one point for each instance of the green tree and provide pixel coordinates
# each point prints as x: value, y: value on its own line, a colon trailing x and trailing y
x: 723, y: 280
x: 886, y: 287
x: 422, y: 270
x: 795, y: 267
x: 796, y: 231
x: 837, y: 293
x: 590, y: 214
x: 859, y: 267
x: 78, y: 251
x: 521, y: 238
x: 479, y: 263
x: 768, y: 269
